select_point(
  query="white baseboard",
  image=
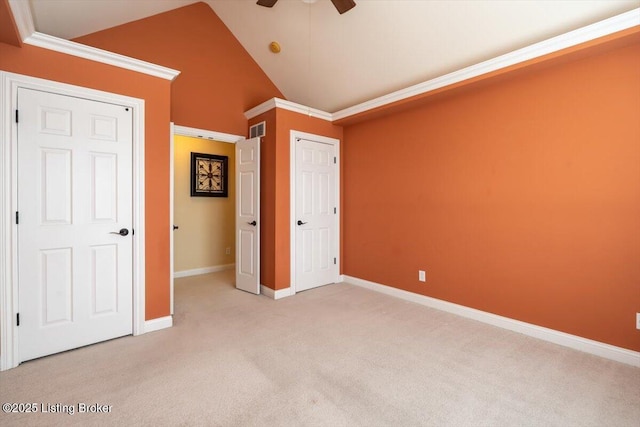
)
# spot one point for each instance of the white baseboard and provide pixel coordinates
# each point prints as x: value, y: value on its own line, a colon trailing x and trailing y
x: 280, y: 293
x: 205, y: 270
x: 575, y: 342
x: 157, y: 324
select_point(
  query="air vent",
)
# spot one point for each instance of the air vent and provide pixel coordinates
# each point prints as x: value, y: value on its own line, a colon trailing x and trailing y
x: 257, y: 130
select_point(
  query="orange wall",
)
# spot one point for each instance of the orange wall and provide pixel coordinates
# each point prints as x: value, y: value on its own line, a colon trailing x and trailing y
x: 218, y: 82
x: 8, y: 30
x: 519, y: 197
x: 42, y: 63
x: 275, y: 189
x: 267, y: 198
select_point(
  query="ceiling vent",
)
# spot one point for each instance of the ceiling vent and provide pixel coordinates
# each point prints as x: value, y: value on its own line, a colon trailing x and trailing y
x: 257, y: 130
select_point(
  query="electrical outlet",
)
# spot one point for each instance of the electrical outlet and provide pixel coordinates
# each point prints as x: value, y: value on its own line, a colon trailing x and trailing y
x: 637, y: 320
x: 422, y: 276
x: 228, y: 251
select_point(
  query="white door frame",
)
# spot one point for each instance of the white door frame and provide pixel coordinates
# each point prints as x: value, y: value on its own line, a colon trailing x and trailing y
x: 325, y: 140
x: 9, y: 84
x: 172, y: 132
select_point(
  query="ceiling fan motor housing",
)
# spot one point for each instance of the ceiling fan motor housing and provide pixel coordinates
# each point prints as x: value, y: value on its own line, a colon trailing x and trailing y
x: 342, y: 5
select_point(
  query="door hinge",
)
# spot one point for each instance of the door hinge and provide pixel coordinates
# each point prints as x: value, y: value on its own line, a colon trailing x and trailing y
x: 334, y: 261
x: 17, y: 319
x: 335, y: 210
x: 16, y: 116
x: 335, y: 160
x: 133, y: 231
x: 17, y: 217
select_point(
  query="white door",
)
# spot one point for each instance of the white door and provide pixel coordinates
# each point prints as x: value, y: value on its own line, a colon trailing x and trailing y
x: 248, y: 215
x: 315, y: 215
x: 75, y: 218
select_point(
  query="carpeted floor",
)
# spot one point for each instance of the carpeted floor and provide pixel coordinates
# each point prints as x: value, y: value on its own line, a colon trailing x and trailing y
x: 338, y: 355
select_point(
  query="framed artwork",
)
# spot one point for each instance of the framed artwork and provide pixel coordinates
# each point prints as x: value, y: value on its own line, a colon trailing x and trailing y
x: 209, y: 176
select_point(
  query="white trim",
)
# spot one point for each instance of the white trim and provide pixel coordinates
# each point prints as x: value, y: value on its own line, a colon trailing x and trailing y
x: 603, y: 28
x: 158, y: 324
x: 572, y: 38
x: 139, y: 212
x: 21, y: 11
x: 259, y: 109
x: 8, y: 260
x: 287, y: 105
x: 204, y: 270
x: 207, y: 134
x: 99, y: 55
x: 7, y: 338
x: 597, y: 348
x: 172, y: 130
x: 294, y: 134
x: 280, y: 293
x: 24, y: 21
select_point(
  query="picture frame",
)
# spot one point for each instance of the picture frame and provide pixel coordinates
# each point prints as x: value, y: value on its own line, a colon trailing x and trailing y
x: 209, y: 175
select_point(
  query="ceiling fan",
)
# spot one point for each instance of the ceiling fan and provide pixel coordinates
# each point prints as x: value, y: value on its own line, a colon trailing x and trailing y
x: 342, y: 5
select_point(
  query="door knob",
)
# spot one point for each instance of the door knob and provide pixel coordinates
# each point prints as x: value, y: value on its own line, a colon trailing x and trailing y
x: 123, y: 232
x: 254, y: 223
x: 175, y: 227
x: 301, y: 223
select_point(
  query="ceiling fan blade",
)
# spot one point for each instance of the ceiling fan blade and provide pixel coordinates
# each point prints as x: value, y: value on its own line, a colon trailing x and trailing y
x: 343, y: 5
x: 266, y: 3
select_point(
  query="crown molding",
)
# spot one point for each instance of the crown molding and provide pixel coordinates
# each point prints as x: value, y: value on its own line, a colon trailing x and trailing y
x: 287, y: 105
x: 591, y: 32
x: 259, y: 109
x: 22, y: 15
x: 206, y: 134
x: 98, y: 55
x: 24, y: 21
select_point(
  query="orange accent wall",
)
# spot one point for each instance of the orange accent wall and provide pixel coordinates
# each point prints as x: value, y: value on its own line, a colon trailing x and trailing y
x: 275, y: 189
x: 519, y: 196
x: 267, y: 198
x: 8, y: 30
x: 42, y: 63
x: 219, y: 80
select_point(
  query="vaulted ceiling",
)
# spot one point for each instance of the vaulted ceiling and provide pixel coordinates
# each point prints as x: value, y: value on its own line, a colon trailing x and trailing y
x: 330, y: 61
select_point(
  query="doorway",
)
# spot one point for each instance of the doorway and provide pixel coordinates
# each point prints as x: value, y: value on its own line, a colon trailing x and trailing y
x: 203, y: 227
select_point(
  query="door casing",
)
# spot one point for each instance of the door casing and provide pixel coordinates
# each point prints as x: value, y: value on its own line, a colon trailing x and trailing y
x: 294, y: 134
x: 9, y: 84
x: 172, y: 133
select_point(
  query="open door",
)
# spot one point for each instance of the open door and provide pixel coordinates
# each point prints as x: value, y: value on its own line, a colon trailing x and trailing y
x: 248, y: 215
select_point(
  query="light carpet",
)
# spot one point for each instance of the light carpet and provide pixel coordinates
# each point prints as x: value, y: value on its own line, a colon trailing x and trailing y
x: 338, y: 355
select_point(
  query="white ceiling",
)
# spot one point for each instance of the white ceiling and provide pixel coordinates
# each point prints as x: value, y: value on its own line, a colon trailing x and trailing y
x: 331, y: 61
